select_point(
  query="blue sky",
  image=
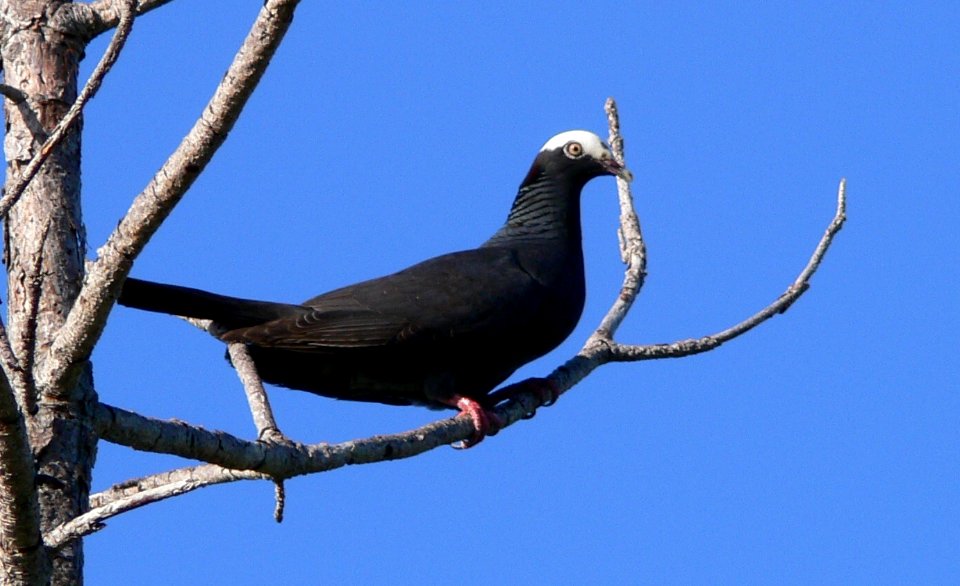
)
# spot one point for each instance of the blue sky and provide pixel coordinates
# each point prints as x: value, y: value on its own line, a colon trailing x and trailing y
x: 821, y: 448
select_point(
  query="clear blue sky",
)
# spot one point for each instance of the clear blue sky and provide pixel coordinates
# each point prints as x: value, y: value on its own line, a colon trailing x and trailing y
x: 821, y: 448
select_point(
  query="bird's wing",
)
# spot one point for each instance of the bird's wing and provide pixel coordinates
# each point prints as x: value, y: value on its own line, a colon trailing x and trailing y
x: 471, y: 294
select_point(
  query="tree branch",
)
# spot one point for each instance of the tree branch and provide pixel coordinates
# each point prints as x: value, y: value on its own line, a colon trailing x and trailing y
x: 89, y: 90
x: 628, y: 353
x: 21, y: 556
x: 90, y: 20
x: 633, y: 251
x: 284, y: 460
x: 236, y: 459
x: 208, y: 473
x: 267, y: 428
x: 88, y: 316
x: 150, y: 490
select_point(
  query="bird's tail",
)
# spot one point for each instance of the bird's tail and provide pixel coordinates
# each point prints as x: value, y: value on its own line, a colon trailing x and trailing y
x: 229, y: 312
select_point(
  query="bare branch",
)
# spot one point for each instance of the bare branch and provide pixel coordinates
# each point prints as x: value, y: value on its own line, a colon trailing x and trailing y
x: 627, y: 353
x: 256, y: 395
x: 93, y: 84
x: 633, y: 251
x: 204, y: 473
x: 189, y: 479
x: 178, y: 438
x: 21, y: 554
x: 263, y: 418
x: 88, y: 316
x: 285, y: 460
x: 280, y: 496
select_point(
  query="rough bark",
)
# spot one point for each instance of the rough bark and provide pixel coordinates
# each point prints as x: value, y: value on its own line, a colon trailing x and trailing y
x: 41, y: 61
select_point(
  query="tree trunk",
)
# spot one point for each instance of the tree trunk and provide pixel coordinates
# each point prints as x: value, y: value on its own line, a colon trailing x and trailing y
x: 44, y: 249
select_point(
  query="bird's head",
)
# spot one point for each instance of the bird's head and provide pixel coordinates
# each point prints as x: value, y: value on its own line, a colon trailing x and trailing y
x: 578, y: 154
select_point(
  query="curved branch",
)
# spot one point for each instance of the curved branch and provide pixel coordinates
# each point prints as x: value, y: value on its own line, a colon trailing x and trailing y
x: 282, y: 460
x: 633, y: 250
x: 86, y: 320
x: 89, y: 90
x: 628, y: 353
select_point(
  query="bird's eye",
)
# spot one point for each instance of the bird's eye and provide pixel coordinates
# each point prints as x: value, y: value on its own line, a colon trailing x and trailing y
x: 573, y: 149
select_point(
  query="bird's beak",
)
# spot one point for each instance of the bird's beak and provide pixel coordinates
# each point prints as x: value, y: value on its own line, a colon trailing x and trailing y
x: 615, y: 168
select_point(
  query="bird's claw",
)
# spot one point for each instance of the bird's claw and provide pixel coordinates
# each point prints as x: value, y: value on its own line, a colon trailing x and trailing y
x: 545, y: 390
x: 484, y: 422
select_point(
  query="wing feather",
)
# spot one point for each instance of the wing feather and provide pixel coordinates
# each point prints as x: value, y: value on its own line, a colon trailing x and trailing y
x: 457, y: 297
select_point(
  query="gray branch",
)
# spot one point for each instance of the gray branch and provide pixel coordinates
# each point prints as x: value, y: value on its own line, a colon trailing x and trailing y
x: 633, y: 250
x: 87, y: 318
x: 259, y: 403
x: 279, y: 461
x: 267, y: 428
x: 149, y: 491
x: 210, y: 473
x: 628, y: 353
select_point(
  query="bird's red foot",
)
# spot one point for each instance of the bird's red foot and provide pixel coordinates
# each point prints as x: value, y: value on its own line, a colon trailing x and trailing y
x: 545, y: 389
x: 484, y: 422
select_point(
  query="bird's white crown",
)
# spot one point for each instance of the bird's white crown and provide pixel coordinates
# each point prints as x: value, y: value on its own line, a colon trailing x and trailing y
x: 592, y: 144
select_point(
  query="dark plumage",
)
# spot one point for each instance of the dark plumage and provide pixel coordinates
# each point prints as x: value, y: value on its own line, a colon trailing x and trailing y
x: 442, y: 333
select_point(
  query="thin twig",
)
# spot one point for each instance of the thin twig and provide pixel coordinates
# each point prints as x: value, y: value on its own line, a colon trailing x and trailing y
x: 208, y: 473
x: 92, y: 520
x: 257, y: 399
x: 93, y: 84
x: 280, y: 496
x: 263, y: 418
x: 633, y: 251
x: 628, y: 353
x: 280, y: 460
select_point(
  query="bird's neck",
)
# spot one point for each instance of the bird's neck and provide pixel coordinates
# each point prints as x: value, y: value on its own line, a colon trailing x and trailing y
x: 544, y: 209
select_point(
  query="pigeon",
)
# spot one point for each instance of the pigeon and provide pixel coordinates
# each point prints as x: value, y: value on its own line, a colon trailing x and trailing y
x: 442, y: 333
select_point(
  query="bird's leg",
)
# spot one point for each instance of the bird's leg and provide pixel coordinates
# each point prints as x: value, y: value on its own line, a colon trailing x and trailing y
x: 545, y: 390
x: 484, y: 422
